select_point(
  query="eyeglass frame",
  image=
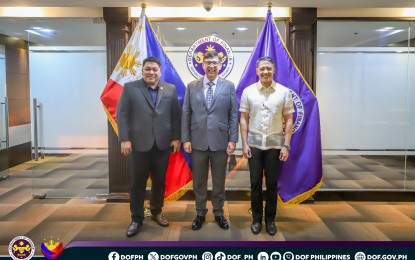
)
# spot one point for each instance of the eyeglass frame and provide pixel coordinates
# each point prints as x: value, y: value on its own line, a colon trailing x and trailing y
x: 211, y: 63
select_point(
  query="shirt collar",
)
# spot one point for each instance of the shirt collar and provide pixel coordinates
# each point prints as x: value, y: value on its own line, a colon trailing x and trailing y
x: 206, y: 81
x: 261, y: 87
x: 153, y: 89
x: 148, y: 86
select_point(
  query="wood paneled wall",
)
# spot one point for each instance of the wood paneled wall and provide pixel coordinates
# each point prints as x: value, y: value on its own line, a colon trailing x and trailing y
x: 118, y: 31
x: 18, y: 93
x: 302, y: 41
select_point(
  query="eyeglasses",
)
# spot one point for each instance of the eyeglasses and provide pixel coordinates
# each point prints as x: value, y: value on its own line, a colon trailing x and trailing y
x: 211, y: 63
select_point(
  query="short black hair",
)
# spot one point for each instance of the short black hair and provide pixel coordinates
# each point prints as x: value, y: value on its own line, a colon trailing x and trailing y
x: 211, y: 54
x: 151, y: 59
x: 265, y: 58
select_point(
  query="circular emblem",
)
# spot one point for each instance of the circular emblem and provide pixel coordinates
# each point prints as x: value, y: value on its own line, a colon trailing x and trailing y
x: 194, y: 56
x: 113, y: 256
x: 298, y: 116
x: 21, y: 248
x: 51, y: 249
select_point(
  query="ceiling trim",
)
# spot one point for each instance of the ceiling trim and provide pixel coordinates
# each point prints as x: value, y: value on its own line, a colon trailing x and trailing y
x: 366, y: 12
x: 51, y: 12
x: 217, y: 12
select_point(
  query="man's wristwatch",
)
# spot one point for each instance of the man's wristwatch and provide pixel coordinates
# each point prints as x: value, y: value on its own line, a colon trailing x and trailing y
x: 286, y: 146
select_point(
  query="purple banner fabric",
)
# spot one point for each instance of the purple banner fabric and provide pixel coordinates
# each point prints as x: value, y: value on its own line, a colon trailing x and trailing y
x: 301, y: 175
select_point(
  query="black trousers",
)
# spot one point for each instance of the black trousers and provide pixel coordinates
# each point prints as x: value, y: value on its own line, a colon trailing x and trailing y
x: 264, y: 163
x: 144, y: 164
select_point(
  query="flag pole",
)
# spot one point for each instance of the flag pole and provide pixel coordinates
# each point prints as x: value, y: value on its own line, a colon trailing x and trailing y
x: 143, y: 9
x: 269, y: 4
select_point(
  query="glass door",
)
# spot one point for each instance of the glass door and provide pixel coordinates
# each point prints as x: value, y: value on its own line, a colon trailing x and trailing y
x: 410, y: 129
x: 4, y: 124
x: 67, y: 60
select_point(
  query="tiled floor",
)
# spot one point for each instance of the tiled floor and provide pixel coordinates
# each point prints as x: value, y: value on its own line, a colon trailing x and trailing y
x: 81, y: 216
x: 87, y: 175
x: 80, y: 219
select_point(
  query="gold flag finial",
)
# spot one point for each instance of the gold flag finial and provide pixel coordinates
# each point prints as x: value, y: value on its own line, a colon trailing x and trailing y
x: 143, y: 5
x: 269, y: 4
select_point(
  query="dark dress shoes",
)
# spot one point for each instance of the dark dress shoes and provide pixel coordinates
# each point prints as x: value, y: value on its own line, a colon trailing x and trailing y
x: 271, y: 228
x: 198, y: 222
x: 133, y: 228
x: 256, y: 227
x: 160, y: 219
x: 222, y: 222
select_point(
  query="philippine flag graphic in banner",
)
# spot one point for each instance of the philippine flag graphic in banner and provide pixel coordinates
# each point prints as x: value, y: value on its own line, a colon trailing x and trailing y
x: 143, y: 43
x: 301, y: 174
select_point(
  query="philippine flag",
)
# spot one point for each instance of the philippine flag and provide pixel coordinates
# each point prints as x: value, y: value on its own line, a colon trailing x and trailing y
x: 144, y: 43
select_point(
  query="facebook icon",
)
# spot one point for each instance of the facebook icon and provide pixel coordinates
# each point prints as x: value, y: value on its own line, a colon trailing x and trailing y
x: 113, y: 256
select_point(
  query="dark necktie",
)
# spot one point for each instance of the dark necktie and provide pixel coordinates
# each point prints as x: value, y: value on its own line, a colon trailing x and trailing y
x: 209, y: 95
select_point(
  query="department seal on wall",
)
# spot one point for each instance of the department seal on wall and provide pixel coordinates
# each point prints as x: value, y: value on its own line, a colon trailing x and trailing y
x: 194, y: 56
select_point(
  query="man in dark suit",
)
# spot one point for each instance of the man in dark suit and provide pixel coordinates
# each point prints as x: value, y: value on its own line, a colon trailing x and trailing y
x: 209, y: 132
x: 148, y: 119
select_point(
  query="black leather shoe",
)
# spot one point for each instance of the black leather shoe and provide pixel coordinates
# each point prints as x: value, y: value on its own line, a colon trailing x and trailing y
x: 271, y: 228
x: 160, y: 219
x: 198, y: 222
x: 256, y: 227
x: 222, y: 222
x: 133, y: 228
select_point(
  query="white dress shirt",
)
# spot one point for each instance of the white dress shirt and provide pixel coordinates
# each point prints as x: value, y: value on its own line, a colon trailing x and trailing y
x: 266, y: 107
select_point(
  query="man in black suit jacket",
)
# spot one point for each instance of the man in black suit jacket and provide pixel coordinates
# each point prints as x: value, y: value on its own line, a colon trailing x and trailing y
x: 148, y: 119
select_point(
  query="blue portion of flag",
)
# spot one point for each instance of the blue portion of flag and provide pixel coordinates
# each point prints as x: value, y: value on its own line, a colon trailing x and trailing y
x: 301, y: 175
x: 168, y: 72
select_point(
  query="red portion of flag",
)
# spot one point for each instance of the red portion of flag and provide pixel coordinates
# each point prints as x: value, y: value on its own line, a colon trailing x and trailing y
x: 110, y: 96
x: 177, y: 176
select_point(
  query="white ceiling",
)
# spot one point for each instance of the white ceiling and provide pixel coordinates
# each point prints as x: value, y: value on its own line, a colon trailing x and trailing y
x: 91, y: 31
x: 224, y: 3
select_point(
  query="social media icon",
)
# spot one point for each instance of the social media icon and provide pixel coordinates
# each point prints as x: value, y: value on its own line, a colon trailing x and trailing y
x: 360, y: 256
x: 113, y: 256
x: 207, y: 256
x: 275, y: 256
x: 153, y: 256
x: 263, y: 256
x: 288, y: 256
x: 220, y: 256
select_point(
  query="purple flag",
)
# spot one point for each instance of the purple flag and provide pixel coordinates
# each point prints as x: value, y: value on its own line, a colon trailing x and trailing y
x: 301, y: 175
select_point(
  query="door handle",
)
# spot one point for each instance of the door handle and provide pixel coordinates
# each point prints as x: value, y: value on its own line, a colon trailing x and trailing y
x: 6, y: 120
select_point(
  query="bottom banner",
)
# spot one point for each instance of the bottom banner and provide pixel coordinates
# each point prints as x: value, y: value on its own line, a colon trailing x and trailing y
x: 249, y: 250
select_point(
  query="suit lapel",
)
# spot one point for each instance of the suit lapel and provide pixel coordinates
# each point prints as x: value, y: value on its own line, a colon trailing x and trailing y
x: 160, y: 93
x: 218, y: 89
x: 200, y: 90
x: 144, y: 90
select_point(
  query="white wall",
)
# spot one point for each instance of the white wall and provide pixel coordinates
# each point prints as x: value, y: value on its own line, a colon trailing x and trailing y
x: 67, y: 86
x: 365, y: 98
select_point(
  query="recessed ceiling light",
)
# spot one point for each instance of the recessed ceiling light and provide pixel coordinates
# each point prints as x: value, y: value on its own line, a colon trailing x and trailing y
x: 181, y: 28
x: 34, y: 32
x: 385, y: 29
x: 241, y: 28
x: 46, y: 30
